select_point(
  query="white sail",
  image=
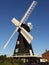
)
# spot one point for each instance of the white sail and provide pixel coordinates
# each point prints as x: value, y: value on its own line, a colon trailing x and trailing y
x: 26, y: 35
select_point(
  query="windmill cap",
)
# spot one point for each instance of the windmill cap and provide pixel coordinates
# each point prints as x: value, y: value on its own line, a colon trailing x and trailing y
x: 29, y: 24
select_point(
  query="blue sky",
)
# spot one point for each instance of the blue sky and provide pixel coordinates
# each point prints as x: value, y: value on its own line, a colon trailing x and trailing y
x: 39, y: 18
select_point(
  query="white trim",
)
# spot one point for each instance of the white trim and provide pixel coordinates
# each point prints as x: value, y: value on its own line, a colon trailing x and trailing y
x: 31, y: 54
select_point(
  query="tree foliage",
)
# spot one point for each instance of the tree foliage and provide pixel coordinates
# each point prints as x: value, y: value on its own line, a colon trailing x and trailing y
x: 10, y: 61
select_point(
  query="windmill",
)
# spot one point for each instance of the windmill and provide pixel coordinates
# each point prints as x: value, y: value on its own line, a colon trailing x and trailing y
x: 24, y: 33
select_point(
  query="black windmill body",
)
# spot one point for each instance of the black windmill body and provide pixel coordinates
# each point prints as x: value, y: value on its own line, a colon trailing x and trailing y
x: 22, y: 47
